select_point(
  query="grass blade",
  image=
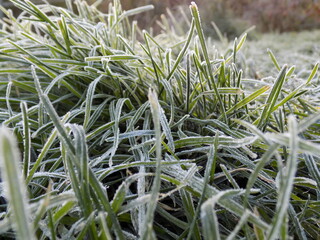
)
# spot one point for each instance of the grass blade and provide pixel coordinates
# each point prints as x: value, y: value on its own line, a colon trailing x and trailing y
x: 287, y: 182
x: 26, y: 139
x: 274, y: 60
x: 13, y: 183
x: 147, y: 233
x: 209, y: 218
x: 273, y: 97
x: 89, y: 99
x: 248, y: 99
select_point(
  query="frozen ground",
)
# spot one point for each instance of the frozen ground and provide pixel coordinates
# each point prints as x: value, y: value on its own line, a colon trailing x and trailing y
x: 299, y: 49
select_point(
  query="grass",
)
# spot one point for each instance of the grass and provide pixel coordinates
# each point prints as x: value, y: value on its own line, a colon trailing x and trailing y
x: 304, y: 57
x: 126, y: 135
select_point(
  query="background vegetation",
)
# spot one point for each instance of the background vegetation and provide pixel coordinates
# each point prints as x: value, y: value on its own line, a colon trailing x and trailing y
x: 231, y: 16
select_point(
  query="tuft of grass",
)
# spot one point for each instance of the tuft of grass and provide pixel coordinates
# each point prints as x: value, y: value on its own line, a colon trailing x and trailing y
x: 111, y: 132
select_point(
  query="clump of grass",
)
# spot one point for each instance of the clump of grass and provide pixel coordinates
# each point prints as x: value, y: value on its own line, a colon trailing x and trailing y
x: 126, y: 135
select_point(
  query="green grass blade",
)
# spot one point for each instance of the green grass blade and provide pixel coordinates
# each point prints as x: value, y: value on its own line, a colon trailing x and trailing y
x: 308, y: 121
x: 8, y: 91
x: 40, y: 14
x: 89, y: 99
x: 312, y: 167
x: 237, y: 48
x: 170, y: 99
x: 115, y: 113
x: 248, y: 99
x: 111, y: 58
x: 188, y: 83
x: 190, y: 212
x: 259, y: 166
x: 313, y: 73
x: 105, y: 232
x: 229, y: 176
x: 274, y: 60
x: 14, y: 186
x: 222, y: 38
x: 241, y: 222
x: 166, y: 129
x: 136, y: 11
x: 207, y: 140
x: 155, y: 109
x: 273, y: 97
x: 65, y: 33
x: 210, y: 224
x: 286, y: 186
x: 26, y: 140
x: 303, y: 145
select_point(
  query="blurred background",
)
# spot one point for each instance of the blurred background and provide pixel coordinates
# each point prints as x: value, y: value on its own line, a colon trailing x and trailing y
x: 231, y: 16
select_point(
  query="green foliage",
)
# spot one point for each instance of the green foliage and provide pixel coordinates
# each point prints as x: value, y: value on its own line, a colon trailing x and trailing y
x: 127, y: 135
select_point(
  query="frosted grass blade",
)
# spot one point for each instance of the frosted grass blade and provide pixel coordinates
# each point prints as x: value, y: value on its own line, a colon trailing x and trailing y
x: 241, y: 222
x: 248, y: 99
x: 13, y: 183
x: 273, y: 97
x: 89, y: 99
x: 147, y: 232
x: 209, y: 218
x: 284, y: 191
x: 274, y: 60
x: 26, y: 139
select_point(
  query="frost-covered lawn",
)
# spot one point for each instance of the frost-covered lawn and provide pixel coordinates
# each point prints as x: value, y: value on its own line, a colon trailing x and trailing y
x: 109, y: 132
